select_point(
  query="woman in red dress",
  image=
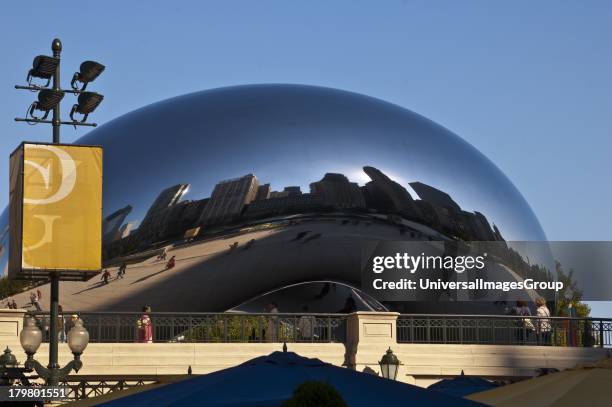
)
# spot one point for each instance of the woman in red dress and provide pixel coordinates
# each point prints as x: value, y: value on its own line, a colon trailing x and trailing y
x: 145, y: 326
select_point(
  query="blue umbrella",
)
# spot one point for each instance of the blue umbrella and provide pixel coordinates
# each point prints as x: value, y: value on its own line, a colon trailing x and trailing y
x: 461, y: 386
x: 267, y: 381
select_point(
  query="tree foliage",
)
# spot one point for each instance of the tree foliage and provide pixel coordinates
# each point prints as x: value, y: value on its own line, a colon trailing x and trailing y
x: 582, y: 309
x: 315, y: 394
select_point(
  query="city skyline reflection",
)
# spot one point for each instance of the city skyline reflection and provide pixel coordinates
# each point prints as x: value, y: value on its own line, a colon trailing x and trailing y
x: 206, y: 166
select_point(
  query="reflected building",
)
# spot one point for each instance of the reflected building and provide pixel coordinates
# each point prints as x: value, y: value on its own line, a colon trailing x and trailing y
x: 125, y: 230
x: 113, y: 223
x: 263, y: 192
x: 287, y: 191
x: 285, y: 204
x: 435, y: 196
x: 228, y: 199
x: 337, y: 191
x: 387, y: 196
x: 166, y: 199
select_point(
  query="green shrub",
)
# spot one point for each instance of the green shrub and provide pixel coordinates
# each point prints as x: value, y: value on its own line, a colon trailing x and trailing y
x: 315, y: 394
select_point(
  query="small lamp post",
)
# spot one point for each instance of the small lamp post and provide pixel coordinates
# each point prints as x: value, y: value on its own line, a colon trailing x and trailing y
x: 7, y: 360
x: 31, y: 338
x: 389, y: 365
x: 10, y: 370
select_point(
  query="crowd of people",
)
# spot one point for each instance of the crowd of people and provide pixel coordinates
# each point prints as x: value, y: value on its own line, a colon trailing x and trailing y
x: 11, y: 303
x: 538, y: 329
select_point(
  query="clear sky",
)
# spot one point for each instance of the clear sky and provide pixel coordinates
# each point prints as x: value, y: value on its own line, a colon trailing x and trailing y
x: 527, y: 83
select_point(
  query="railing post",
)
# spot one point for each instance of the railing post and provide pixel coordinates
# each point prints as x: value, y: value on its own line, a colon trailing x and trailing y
x: 225, y: 328
x: 444, y: 329
x: 99, y: 327
x: 118, y: 328
x: 601, y: 333
x: 259, y: 328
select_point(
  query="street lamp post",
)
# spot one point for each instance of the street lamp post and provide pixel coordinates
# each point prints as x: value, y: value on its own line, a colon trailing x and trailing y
x: 31, y: 338
x: 45, y: 67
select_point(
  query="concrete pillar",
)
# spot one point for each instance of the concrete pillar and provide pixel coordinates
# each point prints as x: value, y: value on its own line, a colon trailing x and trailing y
x: 369, y: 335
x: 11, y: 322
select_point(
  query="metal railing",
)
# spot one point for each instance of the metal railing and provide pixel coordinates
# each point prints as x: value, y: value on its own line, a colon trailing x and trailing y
x: 504, y: 330
x: 117, y: 327
x: 123, y: 327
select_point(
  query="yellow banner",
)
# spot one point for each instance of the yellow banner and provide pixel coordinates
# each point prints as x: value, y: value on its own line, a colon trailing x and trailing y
x: 62, y: 207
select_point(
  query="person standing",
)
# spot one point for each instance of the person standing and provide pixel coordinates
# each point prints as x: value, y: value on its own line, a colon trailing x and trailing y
x: 34, y: 301
x: 543, y: 327
x: 272, y: 322
x: 61, y: 325
x: 305, y: 325
x: 145, y: 326
x: 71, y: 322
x: 525, y: 325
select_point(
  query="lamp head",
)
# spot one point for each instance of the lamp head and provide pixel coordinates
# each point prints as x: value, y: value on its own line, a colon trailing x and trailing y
x: 87, y: 103
x: 43, y: 67
x: 88, y: 72
x: 30, y: 336
x: 78, y: 337
x: 389, y: 365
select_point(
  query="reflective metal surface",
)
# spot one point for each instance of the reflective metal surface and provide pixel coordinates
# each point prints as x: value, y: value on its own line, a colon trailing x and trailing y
x: 285, y: 183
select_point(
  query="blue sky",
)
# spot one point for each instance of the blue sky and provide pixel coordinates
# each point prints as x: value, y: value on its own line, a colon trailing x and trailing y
x: 527, y: 83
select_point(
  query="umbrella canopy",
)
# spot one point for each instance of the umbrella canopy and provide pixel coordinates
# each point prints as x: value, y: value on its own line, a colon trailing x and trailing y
x: 587, y: 385
x: 270, y: 380
x: 462, y: 385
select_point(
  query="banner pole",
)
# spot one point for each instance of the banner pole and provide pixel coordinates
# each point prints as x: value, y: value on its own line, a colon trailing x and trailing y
x: 53, y: 366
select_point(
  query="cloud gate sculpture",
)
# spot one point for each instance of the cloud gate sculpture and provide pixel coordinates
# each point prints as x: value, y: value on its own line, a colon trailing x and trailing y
x: 270, y: 192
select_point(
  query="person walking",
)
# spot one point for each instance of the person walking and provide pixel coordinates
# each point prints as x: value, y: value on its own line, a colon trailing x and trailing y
x: 105, y: 276
x: 121, y: 272
x: 171, y: 263
x: 145, y: 326
x: 543, y: 327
